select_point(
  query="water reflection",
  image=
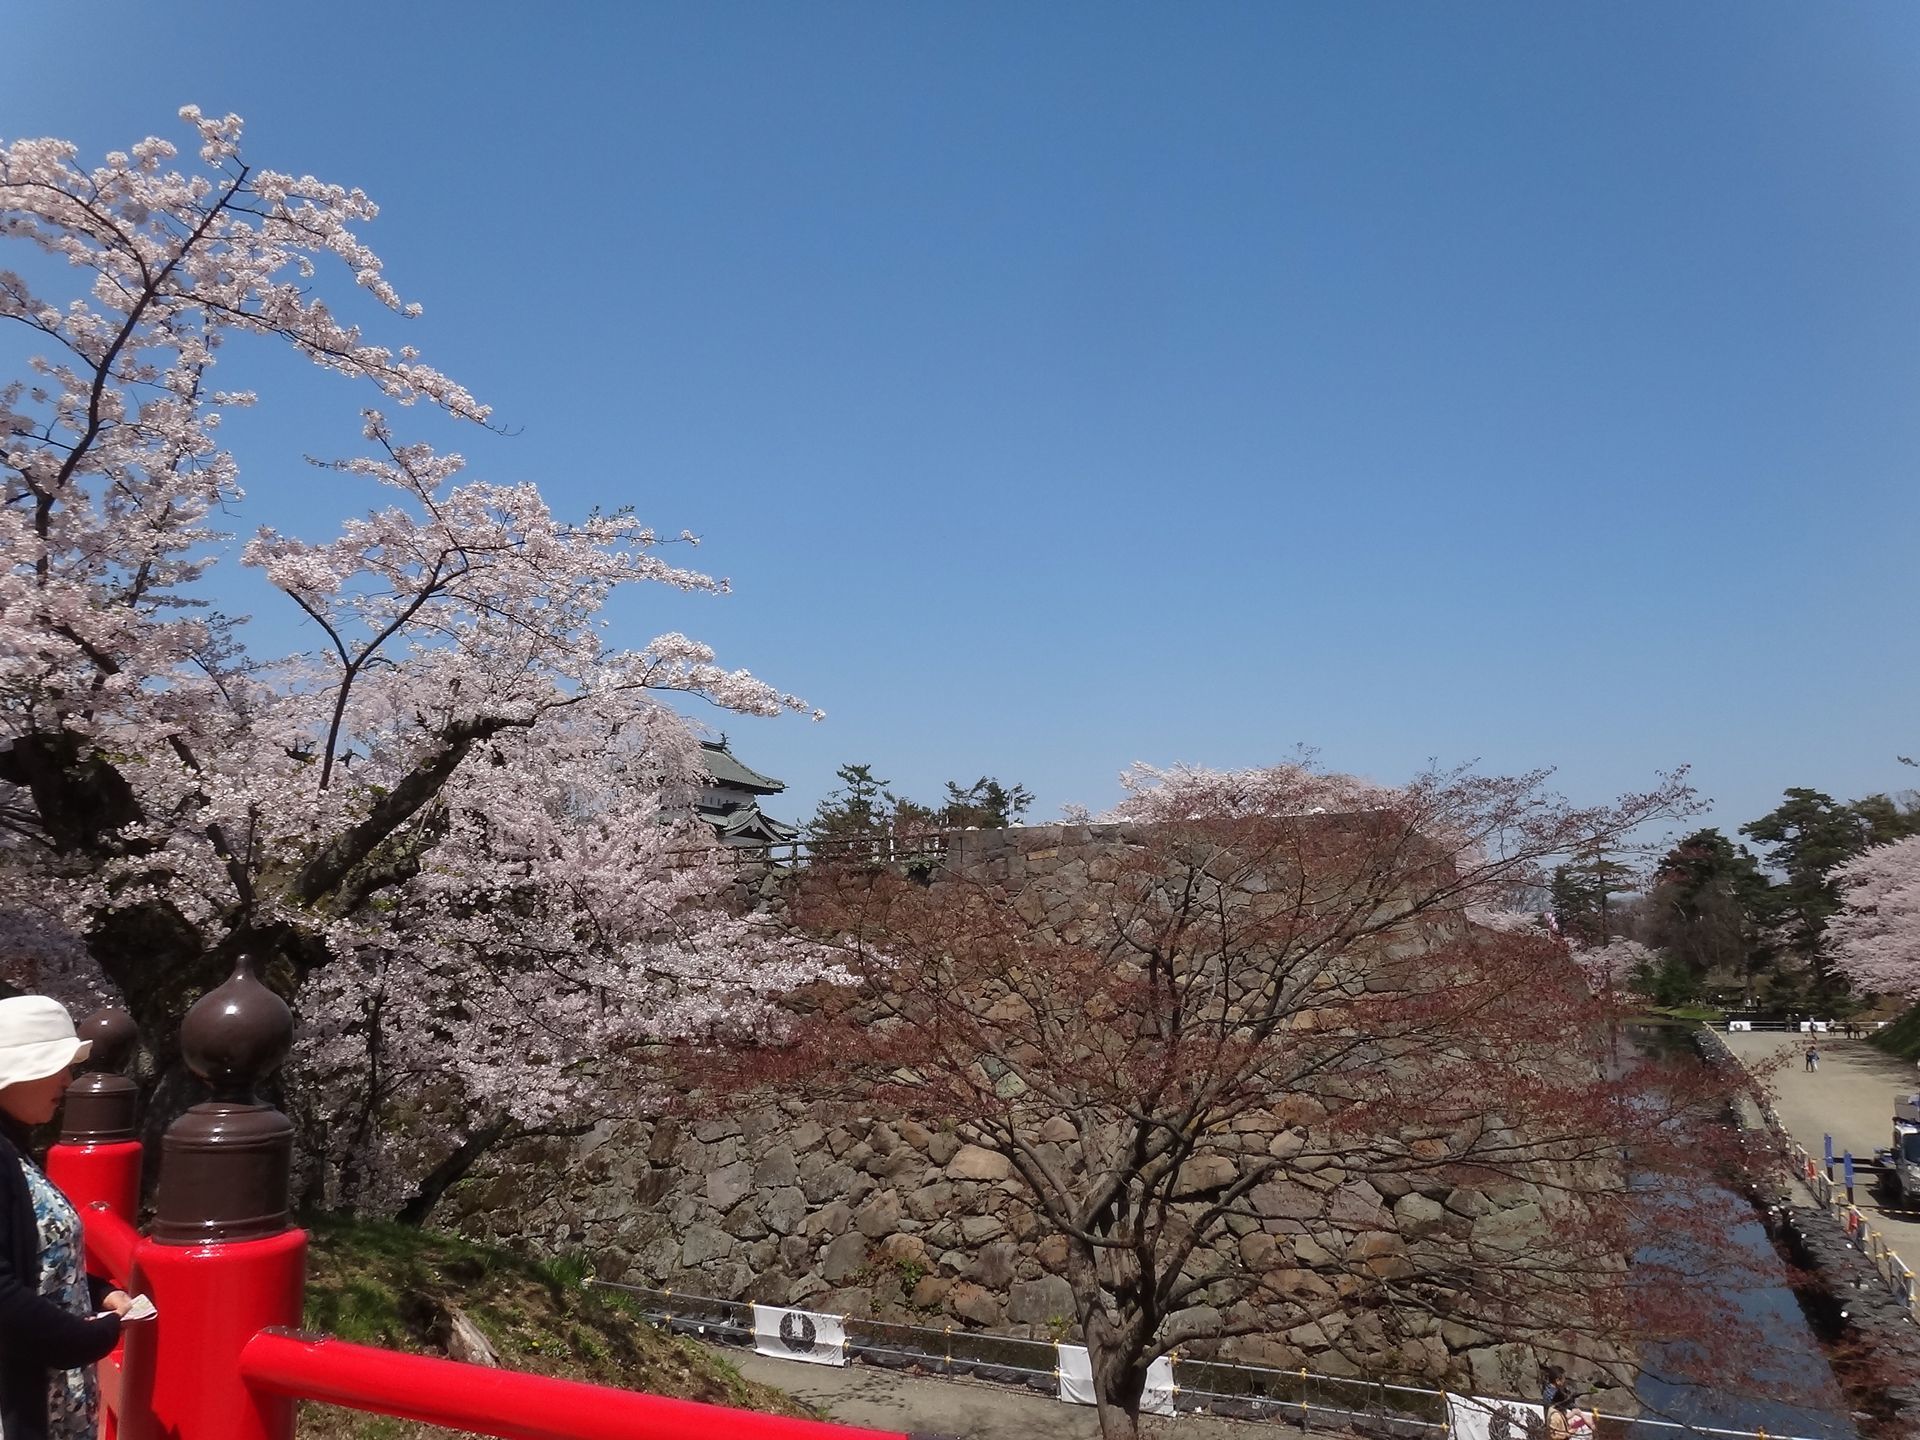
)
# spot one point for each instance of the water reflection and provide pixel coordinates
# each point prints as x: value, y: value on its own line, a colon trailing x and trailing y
x: 1790, y: 1358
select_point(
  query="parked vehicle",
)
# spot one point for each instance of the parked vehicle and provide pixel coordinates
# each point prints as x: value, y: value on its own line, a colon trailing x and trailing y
x: 1900, y: 1163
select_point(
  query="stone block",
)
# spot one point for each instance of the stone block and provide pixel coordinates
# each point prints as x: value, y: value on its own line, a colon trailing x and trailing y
x: 845, y: 1257
x: 1046, y: 1301
x: 930, y: 1202
x: 979, y: 1229
x: 971, y: 1162
x: 1279, y: 1200
x: 1291, y: 1281
x: 880, y: 1215
x: 1308, y: 1250
x: 702, y: 1243
x: 896, y: 1162
x: 1501, y: 1369
x: 776, y: 1167
x: 783, y: 1210
x: 1357, y: 1205
x: 828, y: 1220
x: 1286, y: 1145
x: 806, y: 1136
x: 1416, y: 1215
x: 1291, y: 1110
x: 915, y: 1134
x: 1259, y: 1251
x: 665, y: 1139
x: 743, y: 1222
x: 974, y: 1305
x: 993, y: 1266
x: 1470, y: 1203
x: 1204, y: 1174
x: 728, y: 1186
x: 835, y: 1182
x: 1382, y: 1253
x: 901, y: 1249
x: 1195, y: 1322
x: 1508, y: 1232
x: 1051, y: 1252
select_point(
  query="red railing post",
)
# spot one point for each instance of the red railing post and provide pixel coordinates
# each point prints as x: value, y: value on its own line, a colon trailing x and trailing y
x: 96, y: 1161
x: 97, y: 1157
x: 223, y: 1263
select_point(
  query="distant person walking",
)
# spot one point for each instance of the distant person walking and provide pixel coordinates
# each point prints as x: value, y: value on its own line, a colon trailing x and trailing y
x: 1813, y: 1055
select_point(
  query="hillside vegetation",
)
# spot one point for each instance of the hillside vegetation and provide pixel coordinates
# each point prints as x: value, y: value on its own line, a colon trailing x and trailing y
x: 1902, y: 1037
x: 399, y: 1288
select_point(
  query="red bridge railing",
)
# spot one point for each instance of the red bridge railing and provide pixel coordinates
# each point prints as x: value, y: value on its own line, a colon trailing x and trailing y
x: 224, y: 1358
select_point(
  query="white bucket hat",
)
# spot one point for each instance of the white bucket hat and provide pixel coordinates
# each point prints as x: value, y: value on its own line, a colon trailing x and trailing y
x: 36, y: 1039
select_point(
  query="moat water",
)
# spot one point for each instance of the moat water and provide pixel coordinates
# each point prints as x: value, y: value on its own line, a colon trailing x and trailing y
x: 1786, y: 1355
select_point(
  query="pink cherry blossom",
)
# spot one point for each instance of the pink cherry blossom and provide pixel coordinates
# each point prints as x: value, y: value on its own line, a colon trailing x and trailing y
x: 1875, y: 938
x: 458, y: 825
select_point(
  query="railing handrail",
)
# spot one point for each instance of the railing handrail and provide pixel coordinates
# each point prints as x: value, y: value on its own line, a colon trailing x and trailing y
x: 110, y: 1242
x: 507, y: 1404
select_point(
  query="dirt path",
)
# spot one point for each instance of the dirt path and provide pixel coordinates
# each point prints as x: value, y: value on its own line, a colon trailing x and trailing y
x: 1850, y: 1098
x: 889, y: 1400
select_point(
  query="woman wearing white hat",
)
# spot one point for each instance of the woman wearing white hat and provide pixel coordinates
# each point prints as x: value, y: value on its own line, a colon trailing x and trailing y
x: 50, y: 1333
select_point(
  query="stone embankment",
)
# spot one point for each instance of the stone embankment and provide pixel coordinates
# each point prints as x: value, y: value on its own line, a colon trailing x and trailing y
x: 895, y: 1221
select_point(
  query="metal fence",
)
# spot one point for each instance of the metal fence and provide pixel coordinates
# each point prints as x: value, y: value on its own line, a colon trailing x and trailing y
x: 1832, y: 1199
x: 1303, y: 1399
x: 1861, y: 1235
x: 927, y: 848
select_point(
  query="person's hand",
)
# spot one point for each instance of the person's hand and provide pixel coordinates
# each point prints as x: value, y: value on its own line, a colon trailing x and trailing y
x: 118, y: 1301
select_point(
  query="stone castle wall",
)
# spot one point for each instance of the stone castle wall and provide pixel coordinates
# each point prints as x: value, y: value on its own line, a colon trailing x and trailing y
x: 894, y: 1221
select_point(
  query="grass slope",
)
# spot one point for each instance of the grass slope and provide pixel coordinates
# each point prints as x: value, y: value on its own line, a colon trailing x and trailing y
x: 395, y: 1287
x: 1902, y: 1037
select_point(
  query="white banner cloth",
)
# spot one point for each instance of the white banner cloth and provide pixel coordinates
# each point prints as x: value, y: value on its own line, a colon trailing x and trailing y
x: 1076, y: 1381
x: 799, y: 1335
x: 1471, y: 1418
x: 1733, y: 1025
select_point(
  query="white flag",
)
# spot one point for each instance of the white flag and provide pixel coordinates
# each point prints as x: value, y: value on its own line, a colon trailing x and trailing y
x: 1076, y: 1380
x: 1471, y: 1418
x: 799, y: 1335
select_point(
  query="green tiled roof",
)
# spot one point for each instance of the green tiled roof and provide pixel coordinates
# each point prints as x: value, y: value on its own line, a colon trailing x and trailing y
x: 747, y: 824
x: 723, y: 769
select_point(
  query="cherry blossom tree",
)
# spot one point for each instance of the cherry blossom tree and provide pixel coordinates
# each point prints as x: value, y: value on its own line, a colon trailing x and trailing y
x: 1256, y: 1069
x: 455, y: 829
x: 1611, y: 969
x: 1874, y: 938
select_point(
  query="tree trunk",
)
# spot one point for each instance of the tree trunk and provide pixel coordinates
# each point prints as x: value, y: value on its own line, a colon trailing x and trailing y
x: 450, y: 1171
x: 1118, y: 1383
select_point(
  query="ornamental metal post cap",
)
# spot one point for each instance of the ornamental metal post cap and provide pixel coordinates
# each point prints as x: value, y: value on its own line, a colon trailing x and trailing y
x: 237, y: 1034
x: 101, y: 1104
x: 226, y: 1163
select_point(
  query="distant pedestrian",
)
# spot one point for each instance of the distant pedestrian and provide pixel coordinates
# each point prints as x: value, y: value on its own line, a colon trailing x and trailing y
x: 1813, y: 1055
x: 1558, y: 1398
x: 1554, y: 1384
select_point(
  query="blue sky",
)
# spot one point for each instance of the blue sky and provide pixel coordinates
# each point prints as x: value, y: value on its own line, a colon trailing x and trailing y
x: 1063, y: 385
